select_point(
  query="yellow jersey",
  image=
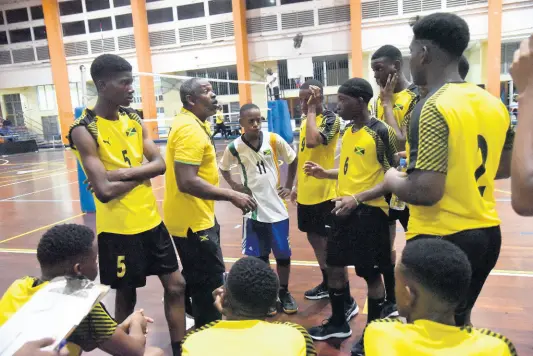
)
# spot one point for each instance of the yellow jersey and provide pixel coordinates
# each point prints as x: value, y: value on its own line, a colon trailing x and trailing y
x: 120, y: 145
x: 96, y: 328
x: 365, y: 157
x: 249, y: 337
x: 427, y: 338
x: 219, y: 117
x: 403, y: 102
x: 310, y: 190
x: 189, y: 142
x: 460, y: 131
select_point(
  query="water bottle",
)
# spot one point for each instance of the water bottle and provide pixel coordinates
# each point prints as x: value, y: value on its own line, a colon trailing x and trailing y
x: 396, y: 203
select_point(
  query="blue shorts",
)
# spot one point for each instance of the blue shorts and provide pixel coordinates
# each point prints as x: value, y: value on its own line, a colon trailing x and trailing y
x: 259, y: 238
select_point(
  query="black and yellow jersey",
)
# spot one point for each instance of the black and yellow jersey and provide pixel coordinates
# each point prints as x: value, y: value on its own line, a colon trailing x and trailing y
x: 120, y: 145
x: 427, y: 338
x: 249, y: 337
x: 403, y: 103
x: 366, y: 155
x: 97, y: 327
x: 458, y: 130
x: 311, y: 190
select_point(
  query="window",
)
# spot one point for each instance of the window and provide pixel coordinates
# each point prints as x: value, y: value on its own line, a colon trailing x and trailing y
x: 36, y: 12
x: 17, y: 15
x: 75, y: 95
x: 13, y: 106
x: 331, y: 70
x: 287, y: 2
x: 94, y: 5
x: 119, y: 3
x: 152, y: 0
x: 226, y: 73
x: 1, y: 17
x: 22, y: 35
x: 160, y: 15
x: 217, y: 7
x: 46, y: 96
x: 123, y: 21
x: 3, y: 38
x: 102, y: 24
x: 73, y: 28
x: 39, y: 33
x: 257, y: 4
x: 70, y: 7
x: 191, y: 11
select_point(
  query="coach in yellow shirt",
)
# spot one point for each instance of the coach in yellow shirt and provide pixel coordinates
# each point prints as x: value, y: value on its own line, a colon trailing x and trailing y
x: 432, y: 278
x: 191, y: 188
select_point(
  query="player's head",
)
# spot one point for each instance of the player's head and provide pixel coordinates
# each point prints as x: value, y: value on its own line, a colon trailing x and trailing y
x: 305, y: 93
x: 198, y: 97
x: 113, y: 79
x: 464, y: 66
x: 250, y: 119
x: 387, y: 60
x: 353, y: 98
x: 68, y: 250
x: 250, y: 290
x: 269, y: 71
x: 432, y: 277
x: 439, y: 41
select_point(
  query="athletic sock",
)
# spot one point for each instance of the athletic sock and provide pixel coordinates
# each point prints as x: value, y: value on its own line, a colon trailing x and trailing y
x: 324, y: 277
x: 388, y: 278
x: 347, y: 293
x: 337, y: 299
x: 374, y: 309
x: 283, y: 288
x: 176, y: 348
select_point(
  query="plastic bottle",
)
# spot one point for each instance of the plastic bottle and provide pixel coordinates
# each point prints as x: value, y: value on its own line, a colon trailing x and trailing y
x: 396, y: 203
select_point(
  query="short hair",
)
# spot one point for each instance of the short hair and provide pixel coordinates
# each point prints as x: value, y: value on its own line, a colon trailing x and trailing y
x: 439, y: 266
x: 64, y: 243
x: 252, y: 287
x: 106, y: 65
x: 464, y: 67
x: 357, y: 88
x: 247, y: 107
x: 389, y: 52
x: 189, y: 87
x: 447, y: 31
x: 314, y: 82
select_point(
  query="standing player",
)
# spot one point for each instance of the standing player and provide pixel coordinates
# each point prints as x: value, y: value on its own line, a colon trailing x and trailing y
x: 266, y: 228
x: 360, y: 229
x: 191, y: 186
x: 111, y: 142
x: 458, y: 146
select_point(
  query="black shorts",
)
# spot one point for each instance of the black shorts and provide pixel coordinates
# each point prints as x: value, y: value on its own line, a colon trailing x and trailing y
x: 401, y: 215
x: 201, y: 257
x: 362, y: 240
x: 315, y: 218
x: 126, y: 260
x: 482, y: 247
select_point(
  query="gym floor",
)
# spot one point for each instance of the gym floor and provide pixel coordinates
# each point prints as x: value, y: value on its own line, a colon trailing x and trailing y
x: 46, y: 182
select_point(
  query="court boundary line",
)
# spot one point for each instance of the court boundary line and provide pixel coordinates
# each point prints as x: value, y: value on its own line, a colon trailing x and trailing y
x: 37, y: 191
x: 30, y: 180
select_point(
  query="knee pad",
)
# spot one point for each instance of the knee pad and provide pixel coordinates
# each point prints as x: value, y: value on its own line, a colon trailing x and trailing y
x: 284, y: 262
x: 264, y: 259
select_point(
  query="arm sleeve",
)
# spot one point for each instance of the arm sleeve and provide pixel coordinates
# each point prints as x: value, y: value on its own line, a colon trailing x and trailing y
x: 330, y: 127
x: 429, y: 149
x: 285, y: 150
x: 227, y: 160
x: 96, y: 328
x: 393, y: 146
x: 188, y: 148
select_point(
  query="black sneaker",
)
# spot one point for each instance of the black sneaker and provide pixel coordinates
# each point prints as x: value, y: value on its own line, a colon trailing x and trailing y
x: 359, y: 348
x: 328, y: 330
x: 351, y: 310
x: 389, y: 310
x: 273, y: 310
x: 319, y: 292
x: 288, y: 304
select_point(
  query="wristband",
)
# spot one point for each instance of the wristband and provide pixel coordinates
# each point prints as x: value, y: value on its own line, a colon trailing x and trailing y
x: 356, y: 200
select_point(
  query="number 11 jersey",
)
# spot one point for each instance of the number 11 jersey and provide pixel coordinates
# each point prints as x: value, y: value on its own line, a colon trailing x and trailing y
x: 460, y: 130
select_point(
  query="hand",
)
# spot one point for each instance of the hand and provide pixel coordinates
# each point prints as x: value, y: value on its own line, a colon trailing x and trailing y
x: 89, y: 185
x: 522, y: 67
x: 314, y: 170
x: 344, y: 205
x: 387, y: 91
x: 218, y: 295
x: 398, y: 156
x: 243, y: 201
x: 284, y: 193
x: 136, y: 317
x: 294, y: 195
x: 33, y: 348
x: 391, y: 177
x: 314, y: 99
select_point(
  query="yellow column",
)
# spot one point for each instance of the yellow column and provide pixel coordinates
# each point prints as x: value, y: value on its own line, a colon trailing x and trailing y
x: 494, y: 47
x: 241, y: 49
x: 356, y: 42
x: 144, y: 60
x: 58, y: 62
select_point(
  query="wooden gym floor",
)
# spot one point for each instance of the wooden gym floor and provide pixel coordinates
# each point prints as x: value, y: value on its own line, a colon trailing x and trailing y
x: 40, y: 190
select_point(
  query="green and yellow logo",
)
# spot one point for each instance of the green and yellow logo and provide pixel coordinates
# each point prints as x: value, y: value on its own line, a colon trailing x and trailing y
x: 267, y: 152
x: 131, y: 131
x: 359, y: 151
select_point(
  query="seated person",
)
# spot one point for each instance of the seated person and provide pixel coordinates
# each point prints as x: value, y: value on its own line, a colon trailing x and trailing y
x: 431, y: 280
x: 71, y: 250
x: 250, y: 290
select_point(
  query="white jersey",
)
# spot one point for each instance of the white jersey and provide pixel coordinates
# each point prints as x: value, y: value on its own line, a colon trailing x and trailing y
x: 260, y: 173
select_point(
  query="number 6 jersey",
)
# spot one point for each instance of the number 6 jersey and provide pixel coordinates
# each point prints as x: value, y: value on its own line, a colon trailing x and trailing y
x: 460, y: 130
